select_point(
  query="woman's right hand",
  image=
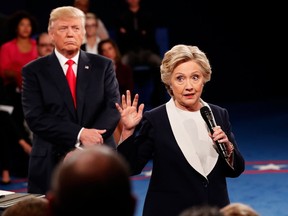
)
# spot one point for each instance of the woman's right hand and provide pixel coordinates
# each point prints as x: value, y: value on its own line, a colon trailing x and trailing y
x: 131, y: 114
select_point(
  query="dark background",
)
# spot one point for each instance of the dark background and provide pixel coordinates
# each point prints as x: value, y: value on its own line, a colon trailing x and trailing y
x: 245, y: 41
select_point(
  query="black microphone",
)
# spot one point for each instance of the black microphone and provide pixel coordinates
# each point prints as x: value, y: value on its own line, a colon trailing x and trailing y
x: 208, y: 118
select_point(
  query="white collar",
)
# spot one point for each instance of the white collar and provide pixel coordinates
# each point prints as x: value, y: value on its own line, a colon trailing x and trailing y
x: 62, y: 59
x: 181, y: 137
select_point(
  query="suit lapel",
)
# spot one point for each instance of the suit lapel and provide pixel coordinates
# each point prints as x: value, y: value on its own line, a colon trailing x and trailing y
x: 83, y: 77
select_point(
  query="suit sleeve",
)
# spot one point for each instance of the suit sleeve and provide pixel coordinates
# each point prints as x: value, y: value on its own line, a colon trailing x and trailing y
x: 108, y: 116
x: 51, y: 124
x: 222, y: 118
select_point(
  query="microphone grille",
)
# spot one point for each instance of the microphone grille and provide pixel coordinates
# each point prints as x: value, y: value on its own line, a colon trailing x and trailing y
x: 205, y: 111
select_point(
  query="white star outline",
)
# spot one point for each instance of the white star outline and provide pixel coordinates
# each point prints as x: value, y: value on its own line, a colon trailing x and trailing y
x: 147, y: 173
x: 270, y: 166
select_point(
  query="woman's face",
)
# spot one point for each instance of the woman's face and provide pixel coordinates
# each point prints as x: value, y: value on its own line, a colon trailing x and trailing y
x: 109, y: 51
x: 91, y: 27
x: 187, y: 83
x: 24, y: 28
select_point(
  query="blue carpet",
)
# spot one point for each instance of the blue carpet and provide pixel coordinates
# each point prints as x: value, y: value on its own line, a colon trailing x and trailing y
x: 261, y: 132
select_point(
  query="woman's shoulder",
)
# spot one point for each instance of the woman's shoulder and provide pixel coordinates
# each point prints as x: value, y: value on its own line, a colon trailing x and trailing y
x: 156, y: 111
x: 9, y: 44
x: 216, y: 107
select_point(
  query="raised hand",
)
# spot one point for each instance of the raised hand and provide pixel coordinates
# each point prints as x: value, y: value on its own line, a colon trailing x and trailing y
x: 130, y: 113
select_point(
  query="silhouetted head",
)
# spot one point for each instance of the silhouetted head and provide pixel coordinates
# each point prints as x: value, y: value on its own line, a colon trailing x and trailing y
x: 95, y: 179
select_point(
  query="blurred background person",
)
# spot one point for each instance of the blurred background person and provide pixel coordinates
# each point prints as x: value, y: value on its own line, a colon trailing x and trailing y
x: 201, y: 210
x: 45, y: 45
x: 11, y: 141
x: 136, y: 38
x: 124, y: 74
x: 135, y: 32
x: 34, y: 206
x: 19, y: 50
x: 93, y: 181
x: 92, y: 38
x: 238, y: 209
x: 85, y: 5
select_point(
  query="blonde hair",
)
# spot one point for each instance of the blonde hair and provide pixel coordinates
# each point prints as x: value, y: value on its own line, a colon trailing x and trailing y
x: 238, y: 209
x: 179, y: 54
x: 91, y: 15
x: 66, y: 11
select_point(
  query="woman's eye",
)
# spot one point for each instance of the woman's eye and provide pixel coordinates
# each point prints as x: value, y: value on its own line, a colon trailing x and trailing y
x: 195, y: 77
x: 180, y: 78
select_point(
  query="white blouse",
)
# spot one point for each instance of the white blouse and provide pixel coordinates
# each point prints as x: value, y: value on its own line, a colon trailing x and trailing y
x: 191, y: 133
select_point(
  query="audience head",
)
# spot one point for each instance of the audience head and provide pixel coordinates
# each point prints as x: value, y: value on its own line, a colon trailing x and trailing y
x: 44, y: 44
x: 91, y: 24
x: 29, y: 207
x: 67, y: 29
x: 21, y: 24
x: 133, y: 3
x: 238, y: 209
x: 204, y: 210
x: 110, y: 49
x: 178, y: 55
x: 95, y: 179
x: 83, y: 5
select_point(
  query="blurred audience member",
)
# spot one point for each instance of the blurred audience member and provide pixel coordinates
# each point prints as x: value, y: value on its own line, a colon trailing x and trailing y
x: 92, y: 181
x: 91, y: 37
x: 29, y: 207
x: 136, y: 36
x: 205, y: 210
x: 124, y: 74
x: 45, y: 45
x: 238, y: 209
x: 19, y: 50
x: 84, y: 5
x: 10, y: 138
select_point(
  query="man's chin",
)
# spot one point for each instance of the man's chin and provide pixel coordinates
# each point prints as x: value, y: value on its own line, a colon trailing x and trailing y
x: 71, y: 49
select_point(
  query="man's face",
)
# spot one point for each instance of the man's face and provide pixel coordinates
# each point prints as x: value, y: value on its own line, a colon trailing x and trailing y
x: 45, y: 45
x: 67, y: 34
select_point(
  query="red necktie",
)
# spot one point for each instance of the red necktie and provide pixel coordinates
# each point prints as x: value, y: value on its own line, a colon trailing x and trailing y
x: 71, y: 78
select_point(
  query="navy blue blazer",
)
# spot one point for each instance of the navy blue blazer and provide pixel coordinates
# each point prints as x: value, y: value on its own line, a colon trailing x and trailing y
x: 51, y: 116
x: 175, y: 185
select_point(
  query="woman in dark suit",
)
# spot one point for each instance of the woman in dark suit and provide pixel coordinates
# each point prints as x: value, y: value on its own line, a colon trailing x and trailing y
x: 187, y: 169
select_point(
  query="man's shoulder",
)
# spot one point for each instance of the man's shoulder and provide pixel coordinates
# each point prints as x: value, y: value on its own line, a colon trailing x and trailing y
x: 94, y: 57
x: 37, y: 61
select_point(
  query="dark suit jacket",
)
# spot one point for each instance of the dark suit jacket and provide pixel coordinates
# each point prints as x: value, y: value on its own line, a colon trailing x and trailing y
x: 50, y: 114
x: 175, y: 185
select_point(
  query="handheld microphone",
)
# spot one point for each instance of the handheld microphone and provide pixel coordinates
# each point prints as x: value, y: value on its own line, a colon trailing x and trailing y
x: 208, y: 118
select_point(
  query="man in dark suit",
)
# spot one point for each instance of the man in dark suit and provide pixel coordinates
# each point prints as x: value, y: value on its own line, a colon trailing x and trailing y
x: 60, y: 123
